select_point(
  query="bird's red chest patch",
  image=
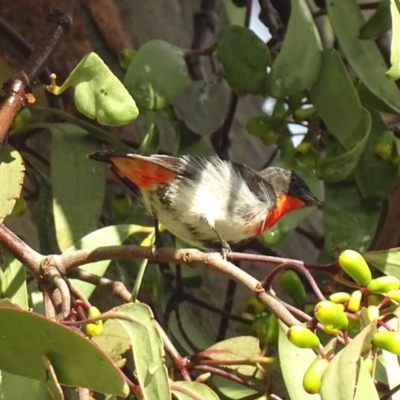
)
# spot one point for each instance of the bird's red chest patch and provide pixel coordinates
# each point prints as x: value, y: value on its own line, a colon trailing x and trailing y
x: 144, y: 174
x: 284, y: 204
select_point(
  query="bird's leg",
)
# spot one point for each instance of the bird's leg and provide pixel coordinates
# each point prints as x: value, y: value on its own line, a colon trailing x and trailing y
x: 225, y: 247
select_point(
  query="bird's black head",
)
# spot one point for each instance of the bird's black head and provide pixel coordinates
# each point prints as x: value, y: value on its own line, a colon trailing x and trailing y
x: 289, y: 183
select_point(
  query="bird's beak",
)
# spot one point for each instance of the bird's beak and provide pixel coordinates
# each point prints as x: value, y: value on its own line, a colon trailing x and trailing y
x: 310, y: 200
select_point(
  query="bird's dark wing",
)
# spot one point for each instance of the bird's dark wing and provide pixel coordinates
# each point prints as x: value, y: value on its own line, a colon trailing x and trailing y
x: 256, y: 183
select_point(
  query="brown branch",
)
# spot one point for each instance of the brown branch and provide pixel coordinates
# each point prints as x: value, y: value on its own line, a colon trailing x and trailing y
x: 204, y: 23
x: 17, y: 88
x: 193, y: 257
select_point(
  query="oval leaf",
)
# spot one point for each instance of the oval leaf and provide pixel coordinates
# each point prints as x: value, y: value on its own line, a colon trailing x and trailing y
x: 203, y: 105
x: 379, y: 23
x: 148, y: 350
x: 394, y: 71
x: 156, y: 75
x: 337, y: 169
x: 333, y: 95
x: 12, y: 172
x: 99, y: 94
x: 297, y: 65
x: 290, y: 356
x: 387, y: 261
x: 244, y: 58
x: 346, y: 18
x: 340, y: 378
x: 77, y: 183
x: 27, y: 337
x: 349, y: 222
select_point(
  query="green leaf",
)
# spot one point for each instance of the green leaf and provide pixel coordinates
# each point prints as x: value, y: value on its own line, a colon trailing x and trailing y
x: 346, y: 18
x: 394, y: 71
x: 375, y: 178
x: 337, y: 102
x: 349, y: 222
x: 232, y: 390
x: 365, y: 387
x: 294, y: 363
x: 337, y: 169
x: 379, y: 23
x: 99, y: 94
x: 156, y: 75
x: 340, y: 378
x: 27, y: 337
x: 16, y: 387
x: 203, y: 105
x: 387, y: 261
x: 297, y: 65
x: 244, y: 58
x: 148, y: 350
x: 14, y: 280
x: 113, y: 235
x: 192, y: 391
x: 12, y: 172
x: 77, y: 183
x: 237, y: 348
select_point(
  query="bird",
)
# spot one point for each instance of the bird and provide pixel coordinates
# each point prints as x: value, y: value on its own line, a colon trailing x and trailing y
x: 208, y: 202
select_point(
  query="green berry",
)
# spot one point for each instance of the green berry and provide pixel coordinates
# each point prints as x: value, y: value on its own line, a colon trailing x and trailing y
x: 394, y: 295
x: 331, y: 316
x: 355, y: 301
x: 121, y: 206
x: 373, y: 313
x: 383, y: 284
x: 293, y: 286
x: 302, y: 337
x: 273, y: 330
x: 96, y: 328
x: 19, y: 207
x: 339, y: 297
x: 354, y: 264
x: 313, y: 377
x: 384, y: 145
x: 387, y: 340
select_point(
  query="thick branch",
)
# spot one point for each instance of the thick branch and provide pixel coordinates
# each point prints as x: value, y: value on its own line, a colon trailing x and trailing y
x: 191, y: 257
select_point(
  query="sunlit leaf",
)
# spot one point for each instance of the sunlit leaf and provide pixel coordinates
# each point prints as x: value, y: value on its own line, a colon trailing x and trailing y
x: 237, y: 348
x: 294, y: 363
x: 192, y: 391
x: 340, y: 378
x: 297, y: 65
x: 394, y: 71
x: 12, y: 172
x: 77, y: 183
x: 14, y: 280
x: 365, y: 387
x: 148, y: 350
x: 27, y: 337
x: 387, y: 261
x: 99, y: 94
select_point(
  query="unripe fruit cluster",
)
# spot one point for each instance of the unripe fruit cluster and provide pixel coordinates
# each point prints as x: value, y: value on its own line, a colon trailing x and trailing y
x: 345, y: 310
